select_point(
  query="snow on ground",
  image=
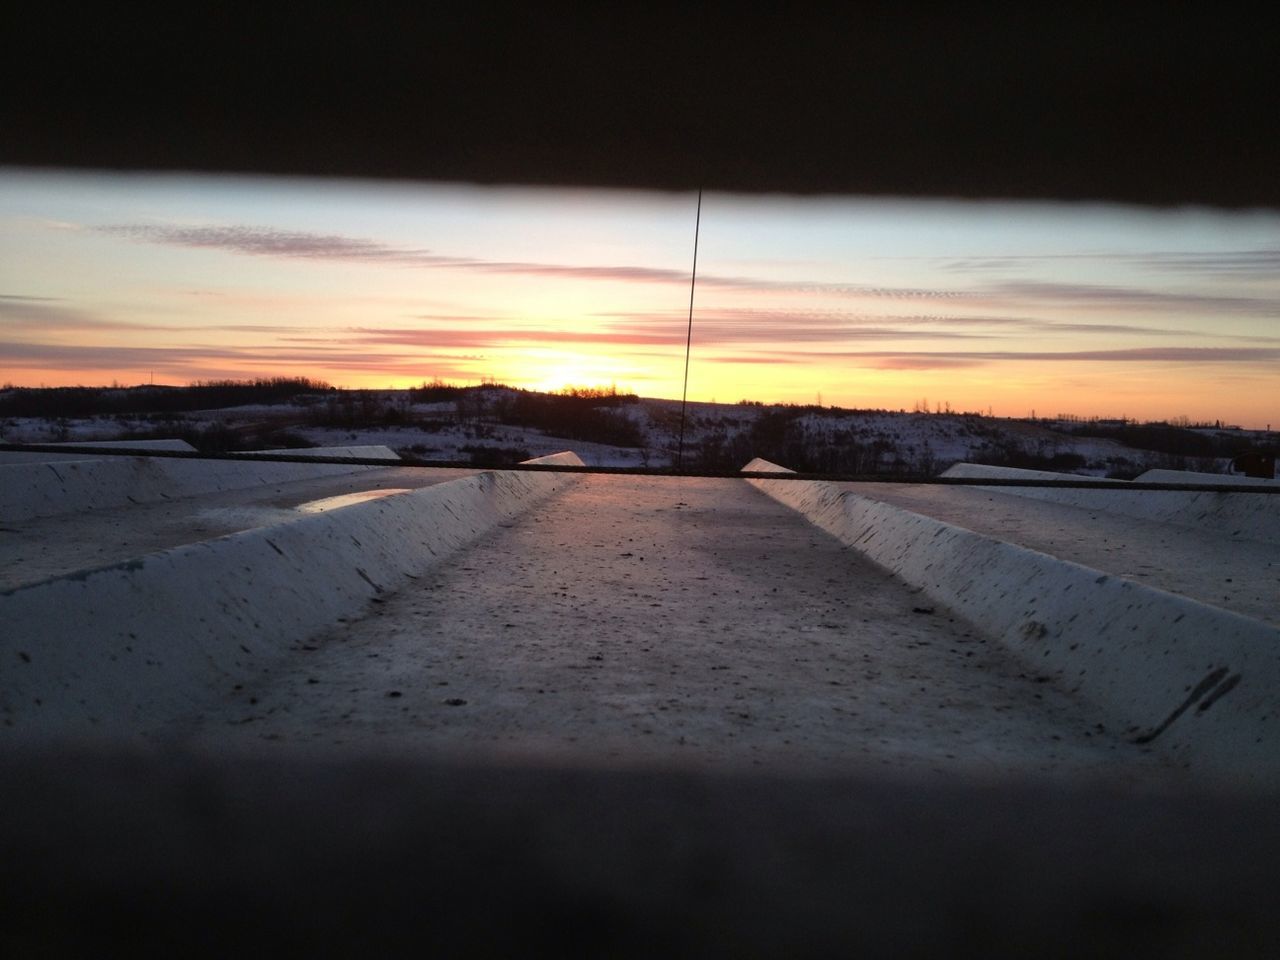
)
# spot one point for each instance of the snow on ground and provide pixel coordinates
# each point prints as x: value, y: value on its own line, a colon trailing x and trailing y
x: 458, y: 442
x: 928, y: 443
x: 462, y: 429
x: 49, y: 430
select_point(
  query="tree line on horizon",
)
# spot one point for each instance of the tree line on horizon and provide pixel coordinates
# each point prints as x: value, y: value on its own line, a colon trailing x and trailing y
x: 56, y: 402
x: 592, y: 414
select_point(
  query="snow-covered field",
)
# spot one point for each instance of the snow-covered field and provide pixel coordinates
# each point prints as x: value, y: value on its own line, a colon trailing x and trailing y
x: 722, y: 436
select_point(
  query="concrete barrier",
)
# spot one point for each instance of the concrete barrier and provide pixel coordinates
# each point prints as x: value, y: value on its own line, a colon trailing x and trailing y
x: 130, y: 647
x: 30, y: 490
x: 369, y: 451
x: 171, y: 444
x: 1200, y: 683
x: 1189, y: 476
x: 1244, y: 515
x: 978, y: 471
x: 10, y: 457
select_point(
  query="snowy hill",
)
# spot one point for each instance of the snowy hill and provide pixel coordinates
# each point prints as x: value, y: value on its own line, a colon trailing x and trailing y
x: 495, y: 425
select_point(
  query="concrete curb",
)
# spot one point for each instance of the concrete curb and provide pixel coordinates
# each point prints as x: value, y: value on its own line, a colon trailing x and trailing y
x: 368, y: 451
x: 126, y: 648
x: 10, y: 457
x: 1189, y: 476
x: 1201, y: 683
x: 141, y: 446
x: 31, y: 490
x: 1225, y: 514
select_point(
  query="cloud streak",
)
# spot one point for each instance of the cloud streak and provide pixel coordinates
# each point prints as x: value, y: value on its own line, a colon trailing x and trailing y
x: 268, y: 242
x: 1225, y: 263
x: 922, y: 360
x: 707, y: 332
x: 199, y: 361
x: 1008, y: 294
x: 300, y: 245
x: 56, y: 315
x: 1095, y: 295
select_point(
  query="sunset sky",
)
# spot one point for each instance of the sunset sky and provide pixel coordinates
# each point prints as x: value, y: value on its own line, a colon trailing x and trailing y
x: 866, y: 303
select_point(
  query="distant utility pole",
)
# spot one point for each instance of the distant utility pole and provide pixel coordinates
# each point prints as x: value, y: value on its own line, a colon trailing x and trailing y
x: 688, y: 343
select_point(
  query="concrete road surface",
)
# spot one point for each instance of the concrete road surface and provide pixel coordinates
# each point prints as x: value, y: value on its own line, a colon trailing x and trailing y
x: 694, y: 623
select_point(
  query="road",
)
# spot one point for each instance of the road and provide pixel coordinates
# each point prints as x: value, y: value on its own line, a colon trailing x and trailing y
x: 676, y: 623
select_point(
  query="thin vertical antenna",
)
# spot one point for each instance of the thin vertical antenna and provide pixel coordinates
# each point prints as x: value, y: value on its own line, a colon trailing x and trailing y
x: 688, y: 344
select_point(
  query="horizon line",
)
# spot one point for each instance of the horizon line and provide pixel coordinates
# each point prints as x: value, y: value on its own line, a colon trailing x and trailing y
x: 566, y: 390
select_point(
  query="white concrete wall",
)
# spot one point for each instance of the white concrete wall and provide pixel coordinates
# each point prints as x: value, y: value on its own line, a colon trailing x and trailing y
x: 1189, y: 476
x: 112, y: 651
x: 1253, y: 517
x: 171, y: 444
x: 1137, y: 653
x: 370, y: 451
x: 979, y: 471
x: 30, y: 490
x: 22, y: 456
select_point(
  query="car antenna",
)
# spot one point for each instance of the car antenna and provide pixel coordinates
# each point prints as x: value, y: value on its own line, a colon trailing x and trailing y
x: 688, y: 344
